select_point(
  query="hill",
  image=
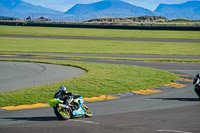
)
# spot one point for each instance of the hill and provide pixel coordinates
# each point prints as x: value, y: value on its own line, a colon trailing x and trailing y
x: 189, y: 10
x: 108, y: 8
x: 18, y: 8
x: 130, y: 19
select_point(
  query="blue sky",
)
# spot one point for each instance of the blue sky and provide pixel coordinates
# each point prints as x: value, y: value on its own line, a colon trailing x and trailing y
x: 64, y: 5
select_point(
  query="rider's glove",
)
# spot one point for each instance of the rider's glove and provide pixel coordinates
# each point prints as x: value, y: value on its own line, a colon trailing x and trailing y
x: 76, y: 96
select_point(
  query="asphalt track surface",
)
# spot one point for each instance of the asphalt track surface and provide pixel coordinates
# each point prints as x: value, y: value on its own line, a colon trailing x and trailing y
x: 106, y: 38
x: 110, y: 55
x: 174, y: 110
x: 19, y: 75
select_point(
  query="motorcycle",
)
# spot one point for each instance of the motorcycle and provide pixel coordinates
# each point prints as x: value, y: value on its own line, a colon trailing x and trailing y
x: 71, y: 109
x: 196, y: 86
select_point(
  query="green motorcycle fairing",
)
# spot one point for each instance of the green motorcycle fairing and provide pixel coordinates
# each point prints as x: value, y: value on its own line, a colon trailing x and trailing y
x: 54, y: 102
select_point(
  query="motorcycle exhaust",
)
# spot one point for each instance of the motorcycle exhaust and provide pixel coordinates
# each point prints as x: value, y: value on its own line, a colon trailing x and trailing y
x: 63, y: 106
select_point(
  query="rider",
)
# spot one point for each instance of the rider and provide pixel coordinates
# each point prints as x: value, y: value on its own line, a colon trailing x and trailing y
x: 62, y: 94
x: 196, y: 84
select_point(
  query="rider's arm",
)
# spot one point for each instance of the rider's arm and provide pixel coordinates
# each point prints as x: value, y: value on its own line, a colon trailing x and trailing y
x: 73, y: 95
x: 57, y: 94
x: 196, y: 81
x: 76, y: 96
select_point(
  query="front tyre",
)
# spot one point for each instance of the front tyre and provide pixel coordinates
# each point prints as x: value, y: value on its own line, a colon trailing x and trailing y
x: 62, y: 113
x: 197, y: 90
x: 87, y: 111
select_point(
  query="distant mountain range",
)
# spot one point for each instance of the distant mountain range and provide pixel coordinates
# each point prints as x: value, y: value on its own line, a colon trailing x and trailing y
x: 20, y: 9
x: 189, y: 10
x: 107, y: 8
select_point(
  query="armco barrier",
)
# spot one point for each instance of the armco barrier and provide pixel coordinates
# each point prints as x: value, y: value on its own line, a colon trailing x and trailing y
x: 103, y: 26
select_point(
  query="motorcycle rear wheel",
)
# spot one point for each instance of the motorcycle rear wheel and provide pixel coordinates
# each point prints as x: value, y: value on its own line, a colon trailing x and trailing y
x: 88, y: 111
x: 62, y: 113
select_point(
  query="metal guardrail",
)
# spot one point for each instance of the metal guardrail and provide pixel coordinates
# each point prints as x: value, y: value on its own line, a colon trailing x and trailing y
x: 104, y: 26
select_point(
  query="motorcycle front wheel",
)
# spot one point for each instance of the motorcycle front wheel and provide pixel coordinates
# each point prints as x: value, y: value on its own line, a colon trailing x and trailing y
x: 197, y: 90
x: 88, y: 111
x: 62, y: 113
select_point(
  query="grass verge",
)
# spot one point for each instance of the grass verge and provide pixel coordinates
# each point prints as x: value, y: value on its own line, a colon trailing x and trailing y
x: 92, y: 46
x: 101, y: 79
x: 91, y: 32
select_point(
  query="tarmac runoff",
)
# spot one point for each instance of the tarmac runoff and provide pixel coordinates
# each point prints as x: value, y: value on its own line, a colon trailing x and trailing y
x: 106, y: 38
x: 184, y: 81
x: 45, y: 55
x: 19, y: 75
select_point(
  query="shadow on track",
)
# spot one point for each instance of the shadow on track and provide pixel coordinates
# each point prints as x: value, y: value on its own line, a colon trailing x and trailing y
x: 49, y: 118
x: 178, y: 99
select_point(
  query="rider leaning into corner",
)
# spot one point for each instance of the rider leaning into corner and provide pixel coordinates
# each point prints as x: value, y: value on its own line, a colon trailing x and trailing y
x: 63, y: 95
x: 196, y: 85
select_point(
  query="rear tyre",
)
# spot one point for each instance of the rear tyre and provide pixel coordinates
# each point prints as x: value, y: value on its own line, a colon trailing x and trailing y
x: 197, y: 90
x: 62, y: 113
x: 88, y: 111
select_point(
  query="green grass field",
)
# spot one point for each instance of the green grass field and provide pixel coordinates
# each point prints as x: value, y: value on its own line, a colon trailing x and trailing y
x: 92, y: 46
x: 86, y: 32
x: 99, y: 80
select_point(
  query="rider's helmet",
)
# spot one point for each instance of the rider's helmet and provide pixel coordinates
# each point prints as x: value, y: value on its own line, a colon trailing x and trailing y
x: 62, y: 89
x: 198, y: 75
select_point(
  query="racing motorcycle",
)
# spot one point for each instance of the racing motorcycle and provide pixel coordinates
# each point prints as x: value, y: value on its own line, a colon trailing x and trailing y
x: 196, y: 86
x: 71, y: 109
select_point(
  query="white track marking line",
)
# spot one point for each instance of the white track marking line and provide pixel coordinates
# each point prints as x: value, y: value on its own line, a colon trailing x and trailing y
x: 174, y: 131
x: 87, y: 122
